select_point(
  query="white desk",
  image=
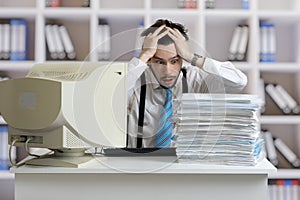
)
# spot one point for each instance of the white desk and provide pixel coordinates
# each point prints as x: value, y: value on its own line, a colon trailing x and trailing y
x: 113, y: 178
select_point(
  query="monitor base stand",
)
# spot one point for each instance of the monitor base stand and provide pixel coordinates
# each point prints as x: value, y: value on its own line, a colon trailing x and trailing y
x: 60, y: 160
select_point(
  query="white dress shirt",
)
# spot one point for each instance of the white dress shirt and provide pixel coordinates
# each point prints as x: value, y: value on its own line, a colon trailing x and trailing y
x: 213, y: 77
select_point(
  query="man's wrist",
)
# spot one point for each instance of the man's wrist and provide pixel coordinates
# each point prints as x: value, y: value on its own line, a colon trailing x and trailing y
x: 197, y: 60
x: 144, y: 57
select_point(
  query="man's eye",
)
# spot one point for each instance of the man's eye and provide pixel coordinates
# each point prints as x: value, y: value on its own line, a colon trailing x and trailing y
x: 174, y: 61
x: 159, y: 62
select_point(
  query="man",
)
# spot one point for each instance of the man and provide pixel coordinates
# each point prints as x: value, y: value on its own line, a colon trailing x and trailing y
x: 158, y: 74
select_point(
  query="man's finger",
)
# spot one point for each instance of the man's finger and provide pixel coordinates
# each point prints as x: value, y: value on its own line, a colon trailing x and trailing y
x: 179, y: 33
x: 162, y: 34
x: 157, y: 31
x: 172, y: 36
x: 173, y: 32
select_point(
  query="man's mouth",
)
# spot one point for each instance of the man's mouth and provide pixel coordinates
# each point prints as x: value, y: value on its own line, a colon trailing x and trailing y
x: 168, y: 80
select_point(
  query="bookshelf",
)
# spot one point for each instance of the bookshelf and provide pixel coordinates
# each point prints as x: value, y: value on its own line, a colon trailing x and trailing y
x: 210, y: 31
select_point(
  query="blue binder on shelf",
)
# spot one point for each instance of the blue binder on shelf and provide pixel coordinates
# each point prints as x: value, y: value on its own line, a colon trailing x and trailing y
x: 19, y: 40
x: 267, y: 42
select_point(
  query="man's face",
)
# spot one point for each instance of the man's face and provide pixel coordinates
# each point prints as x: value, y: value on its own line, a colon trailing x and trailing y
x: 166, y: 65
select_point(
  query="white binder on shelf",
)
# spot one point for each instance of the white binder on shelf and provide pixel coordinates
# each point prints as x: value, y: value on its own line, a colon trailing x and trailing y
x: 287, y: 153
x: 58, y: 42
x: 22, y: 41
x: 104, y: 41
x: 263, y: 42
x: 290, y: 101
x: 6, y: 41
x: 243, y: 43
x: 50, y: 42
x: 270, y: 147
x: 67, y: 43
x: 262, y: 94
x: 18, y: 46
x: 267, y: 42
x: 272, y: 43
x: 14, y: 39
x: 1, y: 41
x: 234, y: 44
x: 279, y: 101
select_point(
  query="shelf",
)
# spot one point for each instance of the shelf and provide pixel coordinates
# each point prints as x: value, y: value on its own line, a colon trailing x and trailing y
x: 280, y: 16
x: 16, y: 65
x: 278, y: 5
x: 18, y: 12
x: 68, y: 13
x: 175, y: 12
x: 227, y: 14
x: 120, y: 13
x: 285, y: 174
x: 279, y: 67
x: 273, y: 119
x: 117, y: 4
x: 6, y: 175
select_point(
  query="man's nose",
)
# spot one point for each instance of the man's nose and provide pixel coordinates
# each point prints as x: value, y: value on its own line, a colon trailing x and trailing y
x: 168, y: 68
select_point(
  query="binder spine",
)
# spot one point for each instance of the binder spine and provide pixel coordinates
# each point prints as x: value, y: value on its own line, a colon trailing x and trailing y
x: 272, y: 189
x: 270, y: 148
x: 245, y: 4
x: 58, y: 43
x: 263, y: 42
x: 290, y: 101
x: 67, y: 43
x: 107, y: 45
x: 241, y: 54
x: 280, y: 189
x: 104, y: 41
x: 234, y: 43
x: 6, y: 41
x: 277, y: 98
x: 262, y: 95
x: 295, y: 189
x: 14, y: 39
x: 287, y: 152
x: 50, y: 42
x: 1, y: 41
x: 272, y: 43
x: 23, y: 38
x: 267, y: 42
x: 210, y: 4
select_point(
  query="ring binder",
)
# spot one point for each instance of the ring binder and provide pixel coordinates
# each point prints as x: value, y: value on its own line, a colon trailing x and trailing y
x: 276, y: 97
x: 67, y: 43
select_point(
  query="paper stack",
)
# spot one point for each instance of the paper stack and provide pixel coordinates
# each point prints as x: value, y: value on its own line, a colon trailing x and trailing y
x: 218, y: 129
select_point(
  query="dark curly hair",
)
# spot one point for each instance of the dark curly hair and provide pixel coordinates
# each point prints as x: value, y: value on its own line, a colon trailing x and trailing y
x: 166, y: 40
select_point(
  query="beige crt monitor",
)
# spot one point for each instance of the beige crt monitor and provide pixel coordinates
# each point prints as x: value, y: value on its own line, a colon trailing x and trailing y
x: 67, y: 107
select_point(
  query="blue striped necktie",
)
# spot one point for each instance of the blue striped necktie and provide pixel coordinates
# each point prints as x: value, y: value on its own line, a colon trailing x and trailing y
x: 164, y: 133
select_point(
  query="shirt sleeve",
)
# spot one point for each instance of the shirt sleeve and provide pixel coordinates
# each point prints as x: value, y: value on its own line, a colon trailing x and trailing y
x: 233, y: 80
x: 135, y: 69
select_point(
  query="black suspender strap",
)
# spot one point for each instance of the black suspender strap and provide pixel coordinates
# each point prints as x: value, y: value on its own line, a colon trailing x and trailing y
x: 184, y: 81
x: 139, y: 141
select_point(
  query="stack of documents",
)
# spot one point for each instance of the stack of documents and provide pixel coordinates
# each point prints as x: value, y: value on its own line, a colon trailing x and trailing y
x: 218, y: 129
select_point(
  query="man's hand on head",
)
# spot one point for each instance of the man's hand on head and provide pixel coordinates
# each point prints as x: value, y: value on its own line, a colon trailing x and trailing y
x: 181, y: 44
x: 150, y: 43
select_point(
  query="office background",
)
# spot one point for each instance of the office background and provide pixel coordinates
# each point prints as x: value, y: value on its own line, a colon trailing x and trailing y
x: 211, y: 29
